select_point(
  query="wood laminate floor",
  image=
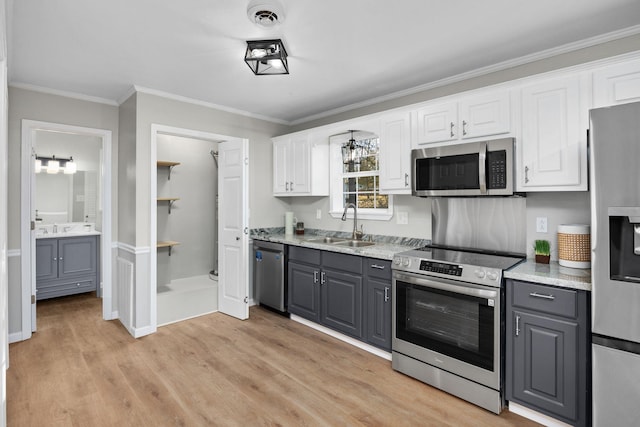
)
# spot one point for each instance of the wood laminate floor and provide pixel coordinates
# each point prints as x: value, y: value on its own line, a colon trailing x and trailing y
x: 79, y: 370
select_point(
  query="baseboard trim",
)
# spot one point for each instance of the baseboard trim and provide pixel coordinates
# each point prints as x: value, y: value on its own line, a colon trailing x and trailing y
x: 15, y: 337
x: 530, y: 414
x: 364, y: 346
x: 141, y: 332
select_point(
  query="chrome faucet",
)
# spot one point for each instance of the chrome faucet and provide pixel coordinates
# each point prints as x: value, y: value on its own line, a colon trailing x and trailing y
x: 357, y: 234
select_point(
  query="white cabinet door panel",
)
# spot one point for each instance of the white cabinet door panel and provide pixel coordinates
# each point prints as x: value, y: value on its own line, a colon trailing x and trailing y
x: 395, y: 154
x: 617, y: 84
x: 485, y: 115
x: 438, y: 123
x: 553, y: 149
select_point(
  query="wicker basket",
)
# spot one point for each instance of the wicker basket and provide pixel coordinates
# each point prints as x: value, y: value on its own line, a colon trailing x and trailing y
x: 574, y: 245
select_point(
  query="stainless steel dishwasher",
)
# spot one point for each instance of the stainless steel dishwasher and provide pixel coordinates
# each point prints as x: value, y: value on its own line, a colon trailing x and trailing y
x: 269, y: 274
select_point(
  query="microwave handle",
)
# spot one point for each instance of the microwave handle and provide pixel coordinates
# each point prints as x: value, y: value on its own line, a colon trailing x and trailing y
x: 482, y: 167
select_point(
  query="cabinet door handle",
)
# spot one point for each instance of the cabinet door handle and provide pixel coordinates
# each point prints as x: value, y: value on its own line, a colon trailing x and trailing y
x: 386, y: 293
x: 406, y: 179
x: 315, y: 277
x: 517, y: 325
x: 451, y: 130
x: 60, y: 259
x: 322, y: 281
x: 379, y: 267
x: 464, y: 127
x: 526, y: 174
x: 55, y: 259
x: 286, y: 186
x: 291, y: 186
x: 543, y: 296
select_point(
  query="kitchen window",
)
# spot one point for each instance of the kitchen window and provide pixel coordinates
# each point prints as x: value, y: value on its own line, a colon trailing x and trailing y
x: 358, y: 181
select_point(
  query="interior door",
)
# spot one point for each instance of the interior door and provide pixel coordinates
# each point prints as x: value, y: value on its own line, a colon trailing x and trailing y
x: 233, y: 284
x: 32, y: 240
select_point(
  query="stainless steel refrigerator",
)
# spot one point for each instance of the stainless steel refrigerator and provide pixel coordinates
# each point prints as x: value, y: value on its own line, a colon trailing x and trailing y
x: 615, y: 234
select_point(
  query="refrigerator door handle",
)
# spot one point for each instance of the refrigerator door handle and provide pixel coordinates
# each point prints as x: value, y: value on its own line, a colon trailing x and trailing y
x: 636, y: 239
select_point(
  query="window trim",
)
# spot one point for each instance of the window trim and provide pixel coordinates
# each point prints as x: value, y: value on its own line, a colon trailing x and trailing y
x: 336, y: 207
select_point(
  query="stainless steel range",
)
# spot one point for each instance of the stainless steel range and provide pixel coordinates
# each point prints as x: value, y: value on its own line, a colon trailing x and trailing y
x: 448, y: 315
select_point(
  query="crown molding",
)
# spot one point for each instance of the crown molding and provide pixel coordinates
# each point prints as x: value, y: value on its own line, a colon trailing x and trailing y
x: 64, y: 93
x: 206, y: 104
x: 479, y: 72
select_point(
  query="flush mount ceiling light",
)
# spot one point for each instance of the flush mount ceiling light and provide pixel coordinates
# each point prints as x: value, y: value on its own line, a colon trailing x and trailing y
x: 266, y: 57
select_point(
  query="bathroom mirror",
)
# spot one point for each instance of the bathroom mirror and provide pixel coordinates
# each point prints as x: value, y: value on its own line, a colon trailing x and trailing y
x: 68, y: 197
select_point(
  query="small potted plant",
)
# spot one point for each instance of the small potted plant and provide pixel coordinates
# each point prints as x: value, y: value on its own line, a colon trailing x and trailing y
x: 543, y: 254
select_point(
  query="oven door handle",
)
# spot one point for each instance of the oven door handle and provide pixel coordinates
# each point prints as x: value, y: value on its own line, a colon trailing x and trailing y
x: 447, y: 285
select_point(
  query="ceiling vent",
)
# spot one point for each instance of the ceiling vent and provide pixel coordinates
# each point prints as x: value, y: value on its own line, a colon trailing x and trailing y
x: 265, y: 13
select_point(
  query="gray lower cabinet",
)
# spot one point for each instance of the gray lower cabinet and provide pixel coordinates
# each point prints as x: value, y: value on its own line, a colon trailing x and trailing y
x: 378, y: 302
x: 548, y: 350
x: 347, y: 293
x: 66, y: 266
x: 326, y: 287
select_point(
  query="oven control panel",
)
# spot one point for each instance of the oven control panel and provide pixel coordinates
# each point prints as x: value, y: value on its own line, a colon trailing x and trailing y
x: 441, y: 267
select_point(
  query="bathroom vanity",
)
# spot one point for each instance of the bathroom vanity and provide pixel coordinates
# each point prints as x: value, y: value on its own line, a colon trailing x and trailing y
x: 67, y: 264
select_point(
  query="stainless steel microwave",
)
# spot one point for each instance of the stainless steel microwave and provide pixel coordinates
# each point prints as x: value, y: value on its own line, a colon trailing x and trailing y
x: 471, y: 169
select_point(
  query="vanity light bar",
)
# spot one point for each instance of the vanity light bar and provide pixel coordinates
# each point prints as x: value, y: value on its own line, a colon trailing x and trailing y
x: 53, y: 165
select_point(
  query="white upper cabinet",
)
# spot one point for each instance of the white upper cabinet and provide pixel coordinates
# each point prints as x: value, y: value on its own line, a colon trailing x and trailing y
x: 300, y: 165
x: 552, y: 153
x: 616, y: 84
x: 437, y: 123
x: 395, y: 153
x: 469, y: 117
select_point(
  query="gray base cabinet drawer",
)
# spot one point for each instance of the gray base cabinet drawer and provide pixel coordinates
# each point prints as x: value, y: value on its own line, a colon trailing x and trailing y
x: 546, y: 299
x: 306, y: 255
x: 548, y: 352
x: 62, y: 289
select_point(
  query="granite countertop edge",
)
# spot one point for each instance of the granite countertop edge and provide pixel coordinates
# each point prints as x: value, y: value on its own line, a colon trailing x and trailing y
x: 551, y: 274
x: 381, y: 250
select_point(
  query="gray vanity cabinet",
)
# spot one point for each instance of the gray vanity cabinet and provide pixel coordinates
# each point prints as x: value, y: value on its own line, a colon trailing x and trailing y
x: 378, y: 302
x: 66, y: 266
x: 326, y: 287
x: 548, y: 350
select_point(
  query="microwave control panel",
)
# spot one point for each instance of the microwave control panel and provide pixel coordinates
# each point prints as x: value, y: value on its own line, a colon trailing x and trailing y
x: 497, y: 169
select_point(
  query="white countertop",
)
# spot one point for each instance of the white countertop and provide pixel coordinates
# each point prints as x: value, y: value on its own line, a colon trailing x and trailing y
x: 381, y: 249
x: 67, y: 234
x: 551, y: 274
x: 69, y: 229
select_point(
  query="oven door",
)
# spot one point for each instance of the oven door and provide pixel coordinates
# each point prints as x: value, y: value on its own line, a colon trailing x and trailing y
x: 451, y: 325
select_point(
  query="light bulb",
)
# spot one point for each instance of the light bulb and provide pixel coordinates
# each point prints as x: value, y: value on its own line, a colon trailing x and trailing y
x: 38, y: 167
x: 70, y: 167
x: 53, y: 166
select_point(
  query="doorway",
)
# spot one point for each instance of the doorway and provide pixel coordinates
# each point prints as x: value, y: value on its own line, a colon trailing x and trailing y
x: 85, y: 201
x: 187, y: 227
x: 225, y: 248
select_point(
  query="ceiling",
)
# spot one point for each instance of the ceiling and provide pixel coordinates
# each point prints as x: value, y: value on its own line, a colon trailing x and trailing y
x: 341, y: 52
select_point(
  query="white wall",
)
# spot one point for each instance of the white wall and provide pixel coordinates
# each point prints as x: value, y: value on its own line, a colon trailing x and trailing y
x: 4, y: 342
x: 418, y: 209
x: 191, y: 222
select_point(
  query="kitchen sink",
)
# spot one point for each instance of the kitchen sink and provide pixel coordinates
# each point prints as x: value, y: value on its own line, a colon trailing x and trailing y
x: 355, y: 243
x: 326, y: 240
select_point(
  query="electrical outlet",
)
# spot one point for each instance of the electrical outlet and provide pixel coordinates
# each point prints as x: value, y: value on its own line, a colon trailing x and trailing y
x: 541, y: 224
x: 318, y: 213
x: 403, y: 218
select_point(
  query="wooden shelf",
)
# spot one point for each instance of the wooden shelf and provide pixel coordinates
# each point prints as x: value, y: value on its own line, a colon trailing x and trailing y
x: 167, y: 164
x: 168, y: 199
x: 167, y: 244
x: 164, y: 163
